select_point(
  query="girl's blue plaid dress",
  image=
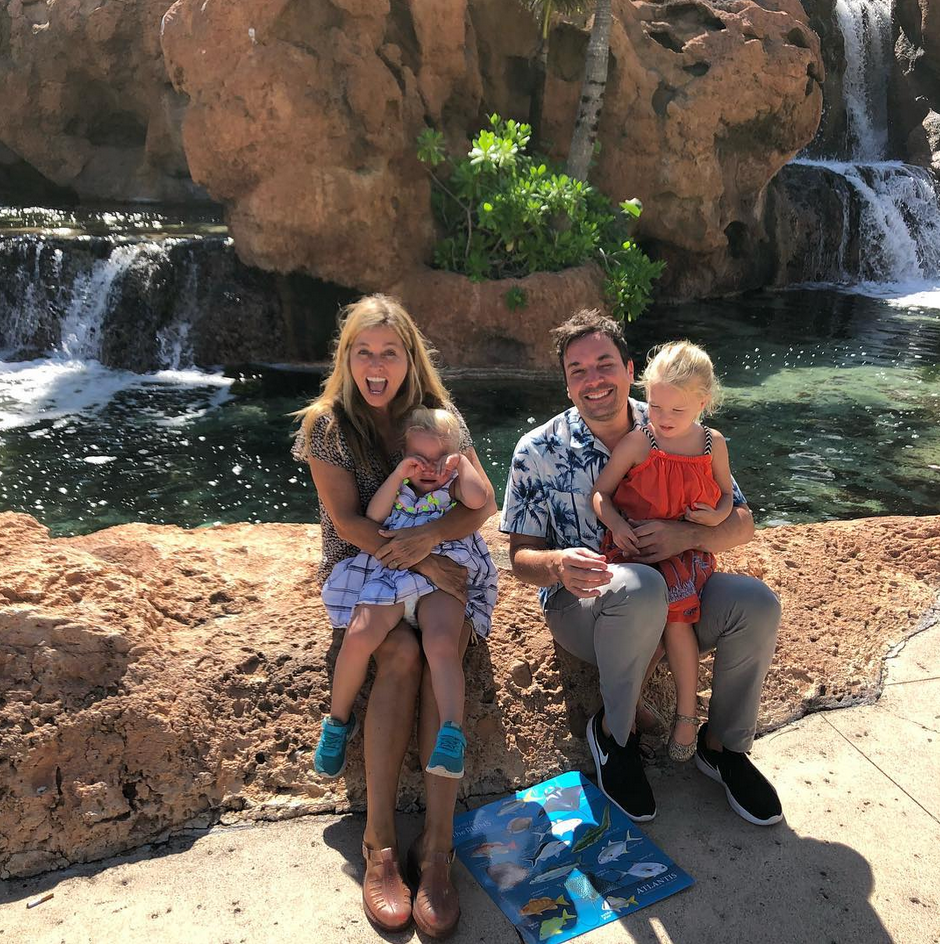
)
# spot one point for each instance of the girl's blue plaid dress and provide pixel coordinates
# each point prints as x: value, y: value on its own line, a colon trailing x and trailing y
x: 363, y: 579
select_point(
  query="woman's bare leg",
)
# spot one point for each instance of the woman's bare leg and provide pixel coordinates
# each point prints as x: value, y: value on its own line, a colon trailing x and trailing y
x: 367, y: 630
x: 388, y: 725
x: 441, y: 621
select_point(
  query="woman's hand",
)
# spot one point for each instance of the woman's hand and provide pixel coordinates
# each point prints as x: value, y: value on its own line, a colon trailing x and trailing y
x: 405, y: 547
x: 446, y: 575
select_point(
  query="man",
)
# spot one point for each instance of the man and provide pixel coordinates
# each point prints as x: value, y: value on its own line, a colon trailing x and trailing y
x: 613, y: 615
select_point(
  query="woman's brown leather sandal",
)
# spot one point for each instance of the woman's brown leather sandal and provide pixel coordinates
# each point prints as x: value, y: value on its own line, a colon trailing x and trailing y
x: 386, y: 899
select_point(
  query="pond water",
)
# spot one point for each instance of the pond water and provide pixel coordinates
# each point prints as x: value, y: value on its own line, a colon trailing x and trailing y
x: 832, y: 407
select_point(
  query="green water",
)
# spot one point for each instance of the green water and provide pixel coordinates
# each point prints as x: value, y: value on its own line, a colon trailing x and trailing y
x: 832, y: 407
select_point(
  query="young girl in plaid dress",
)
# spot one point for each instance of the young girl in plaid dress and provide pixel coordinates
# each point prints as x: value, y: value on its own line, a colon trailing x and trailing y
x: 369, y: 599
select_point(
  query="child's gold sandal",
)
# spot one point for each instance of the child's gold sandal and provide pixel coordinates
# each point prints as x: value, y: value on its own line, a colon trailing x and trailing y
x: 682, y: 752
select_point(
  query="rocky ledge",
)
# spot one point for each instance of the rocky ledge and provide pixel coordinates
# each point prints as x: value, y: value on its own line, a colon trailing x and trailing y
x: 152, y: 677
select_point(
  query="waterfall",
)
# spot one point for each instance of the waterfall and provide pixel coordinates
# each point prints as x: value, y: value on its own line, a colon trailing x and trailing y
x: 866, y: 31
x: 124, y: 303
x: 90, y: 292
x: 890, y: 226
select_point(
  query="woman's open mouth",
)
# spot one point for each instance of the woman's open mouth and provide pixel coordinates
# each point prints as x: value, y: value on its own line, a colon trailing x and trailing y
x: 376, y: 385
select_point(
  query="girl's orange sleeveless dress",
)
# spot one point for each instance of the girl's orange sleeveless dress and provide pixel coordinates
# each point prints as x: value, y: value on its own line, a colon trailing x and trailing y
x: 663, y: 486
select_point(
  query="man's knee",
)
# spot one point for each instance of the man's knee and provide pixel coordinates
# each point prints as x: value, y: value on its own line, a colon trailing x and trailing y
x: 763, y: 609
x: 636, y: 589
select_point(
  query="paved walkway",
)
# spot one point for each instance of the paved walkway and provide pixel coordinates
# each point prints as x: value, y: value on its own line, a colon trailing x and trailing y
x: 856, y: 861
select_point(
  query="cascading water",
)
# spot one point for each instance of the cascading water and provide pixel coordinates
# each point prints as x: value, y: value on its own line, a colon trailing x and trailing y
x: 890, y: 228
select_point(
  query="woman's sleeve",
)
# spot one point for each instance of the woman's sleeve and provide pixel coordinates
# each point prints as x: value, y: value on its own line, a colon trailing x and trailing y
x: 318, y: 445
x: 466, y: 440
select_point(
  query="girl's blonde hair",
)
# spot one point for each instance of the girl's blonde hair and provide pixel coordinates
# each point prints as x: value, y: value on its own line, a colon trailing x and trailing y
x: 341, y: 397
x: 437, y: 422
x: 684, y: 365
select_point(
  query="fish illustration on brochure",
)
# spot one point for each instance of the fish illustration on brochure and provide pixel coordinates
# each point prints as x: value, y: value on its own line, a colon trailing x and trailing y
x: 560, y: 859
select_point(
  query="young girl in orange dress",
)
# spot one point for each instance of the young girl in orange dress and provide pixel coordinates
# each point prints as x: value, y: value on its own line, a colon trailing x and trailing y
x: 672, y: 468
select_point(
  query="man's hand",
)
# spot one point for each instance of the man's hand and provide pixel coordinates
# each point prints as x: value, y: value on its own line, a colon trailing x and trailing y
x: 582, y: 572
x: 446, y: 575
x: 657, y: 539
x: 405, y: 547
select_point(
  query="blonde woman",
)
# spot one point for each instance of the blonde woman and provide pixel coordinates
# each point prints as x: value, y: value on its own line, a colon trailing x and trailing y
x: 351, y: 438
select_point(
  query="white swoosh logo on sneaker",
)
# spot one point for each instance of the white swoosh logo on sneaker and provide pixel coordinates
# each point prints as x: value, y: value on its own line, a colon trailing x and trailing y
x: 603, y: 756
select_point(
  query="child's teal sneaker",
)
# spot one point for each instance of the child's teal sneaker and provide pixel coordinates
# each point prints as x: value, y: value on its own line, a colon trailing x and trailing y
x: 330, y: 759
x: 447, y: 756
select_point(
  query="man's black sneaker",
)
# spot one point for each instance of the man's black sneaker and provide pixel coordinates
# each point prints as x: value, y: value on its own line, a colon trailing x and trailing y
x: 749, y: 792
x: 620, y: 772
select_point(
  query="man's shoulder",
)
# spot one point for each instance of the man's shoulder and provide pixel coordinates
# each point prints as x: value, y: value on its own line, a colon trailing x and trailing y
x: 552, y: 435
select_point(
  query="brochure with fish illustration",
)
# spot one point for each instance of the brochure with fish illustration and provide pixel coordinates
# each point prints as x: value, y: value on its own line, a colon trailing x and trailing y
x: 560, y: 859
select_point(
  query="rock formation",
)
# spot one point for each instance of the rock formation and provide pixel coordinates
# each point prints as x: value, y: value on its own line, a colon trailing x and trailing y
x: 915, y: 83
x: 86, y: 99
x: 150, y: 676
x: 303, y: 119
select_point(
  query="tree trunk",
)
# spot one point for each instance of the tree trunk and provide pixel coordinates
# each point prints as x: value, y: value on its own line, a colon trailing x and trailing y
x: 592, y: 93
x: 537, y: 102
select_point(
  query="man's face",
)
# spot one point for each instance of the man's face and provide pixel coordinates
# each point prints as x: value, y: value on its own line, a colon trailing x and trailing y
x: 598, y: 380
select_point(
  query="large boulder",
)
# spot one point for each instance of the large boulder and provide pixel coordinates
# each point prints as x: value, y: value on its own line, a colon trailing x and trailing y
x: 152, y: 677
x: 303, y: 120
x: 87, y: 102
x: 914, y: 91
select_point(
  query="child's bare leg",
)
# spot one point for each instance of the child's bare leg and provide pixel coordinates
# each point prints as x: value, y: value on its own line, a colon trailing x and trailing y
x: 441, y: 619
x: 648, y: 720
x: 367, y: 629
x: 682, y: 653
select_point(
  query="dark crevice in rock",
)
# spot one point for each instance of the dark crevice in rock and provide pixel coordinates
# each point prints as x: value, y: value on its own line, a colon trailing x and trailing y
x: 663, y: 95
x: 736, y: 233
x: 666, y: 40
x: 400, y: 32
x: 796, y: 38
x: 697, y: 69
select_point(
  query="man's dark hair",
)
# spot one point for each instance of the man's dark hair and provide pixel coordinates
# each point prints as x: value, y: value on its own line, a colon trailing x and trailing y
x: 585, y: 322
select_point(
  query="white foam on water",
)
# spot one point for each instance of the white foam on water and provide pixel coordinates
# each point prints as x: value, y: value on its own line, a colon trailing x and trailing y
x: 33, y: 392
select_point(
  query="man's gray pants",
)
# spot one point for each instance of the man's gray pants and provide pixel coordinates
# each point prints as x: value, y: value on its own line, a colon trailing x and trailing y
x: 619, y: 631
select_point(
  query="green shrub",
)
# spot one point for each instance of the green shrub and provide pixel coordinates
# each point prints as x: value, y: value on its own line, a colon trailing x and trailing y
x: 506, y: 214
x: 515, y: 298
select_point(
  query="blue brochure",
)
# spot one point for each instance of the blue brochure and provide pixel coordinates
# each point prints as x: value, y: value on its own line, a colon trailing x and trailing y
x: 560, y: 859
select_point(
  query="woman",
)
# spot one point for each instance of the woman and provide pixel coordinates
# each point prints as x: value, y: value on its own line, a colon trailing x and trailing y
x: 350, y: 436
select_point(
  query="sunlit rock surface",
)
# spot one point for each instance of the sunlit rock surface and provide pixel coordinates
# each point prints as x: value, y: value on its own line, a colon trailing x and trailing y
x: 151, y: 676
x: 303, y: 120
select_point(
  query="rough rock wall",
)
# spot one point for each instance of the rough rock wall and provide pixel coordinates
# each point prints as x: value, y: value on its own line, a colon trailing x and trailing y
x: 914, y: 93
x: 86, y: 99
x: 705, y: 103
x: 303, y: 119
x: 150, y: 675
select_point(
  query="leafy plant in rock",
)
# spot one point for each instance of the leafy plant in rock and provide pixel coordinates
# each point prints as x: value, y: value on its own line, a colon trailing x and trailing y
x: 506, y: 214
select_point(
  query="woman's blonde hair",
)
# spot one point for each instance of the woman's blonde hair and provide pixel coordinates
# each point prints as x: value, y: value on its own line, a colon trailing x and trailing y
x: 685, y: 365
x: 436, y: 422
x: 341, y: 397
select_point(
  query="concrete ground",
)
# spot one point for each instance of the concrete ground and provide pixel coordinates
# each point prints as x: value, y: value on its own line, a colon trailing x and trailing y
x: 857, y: 858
